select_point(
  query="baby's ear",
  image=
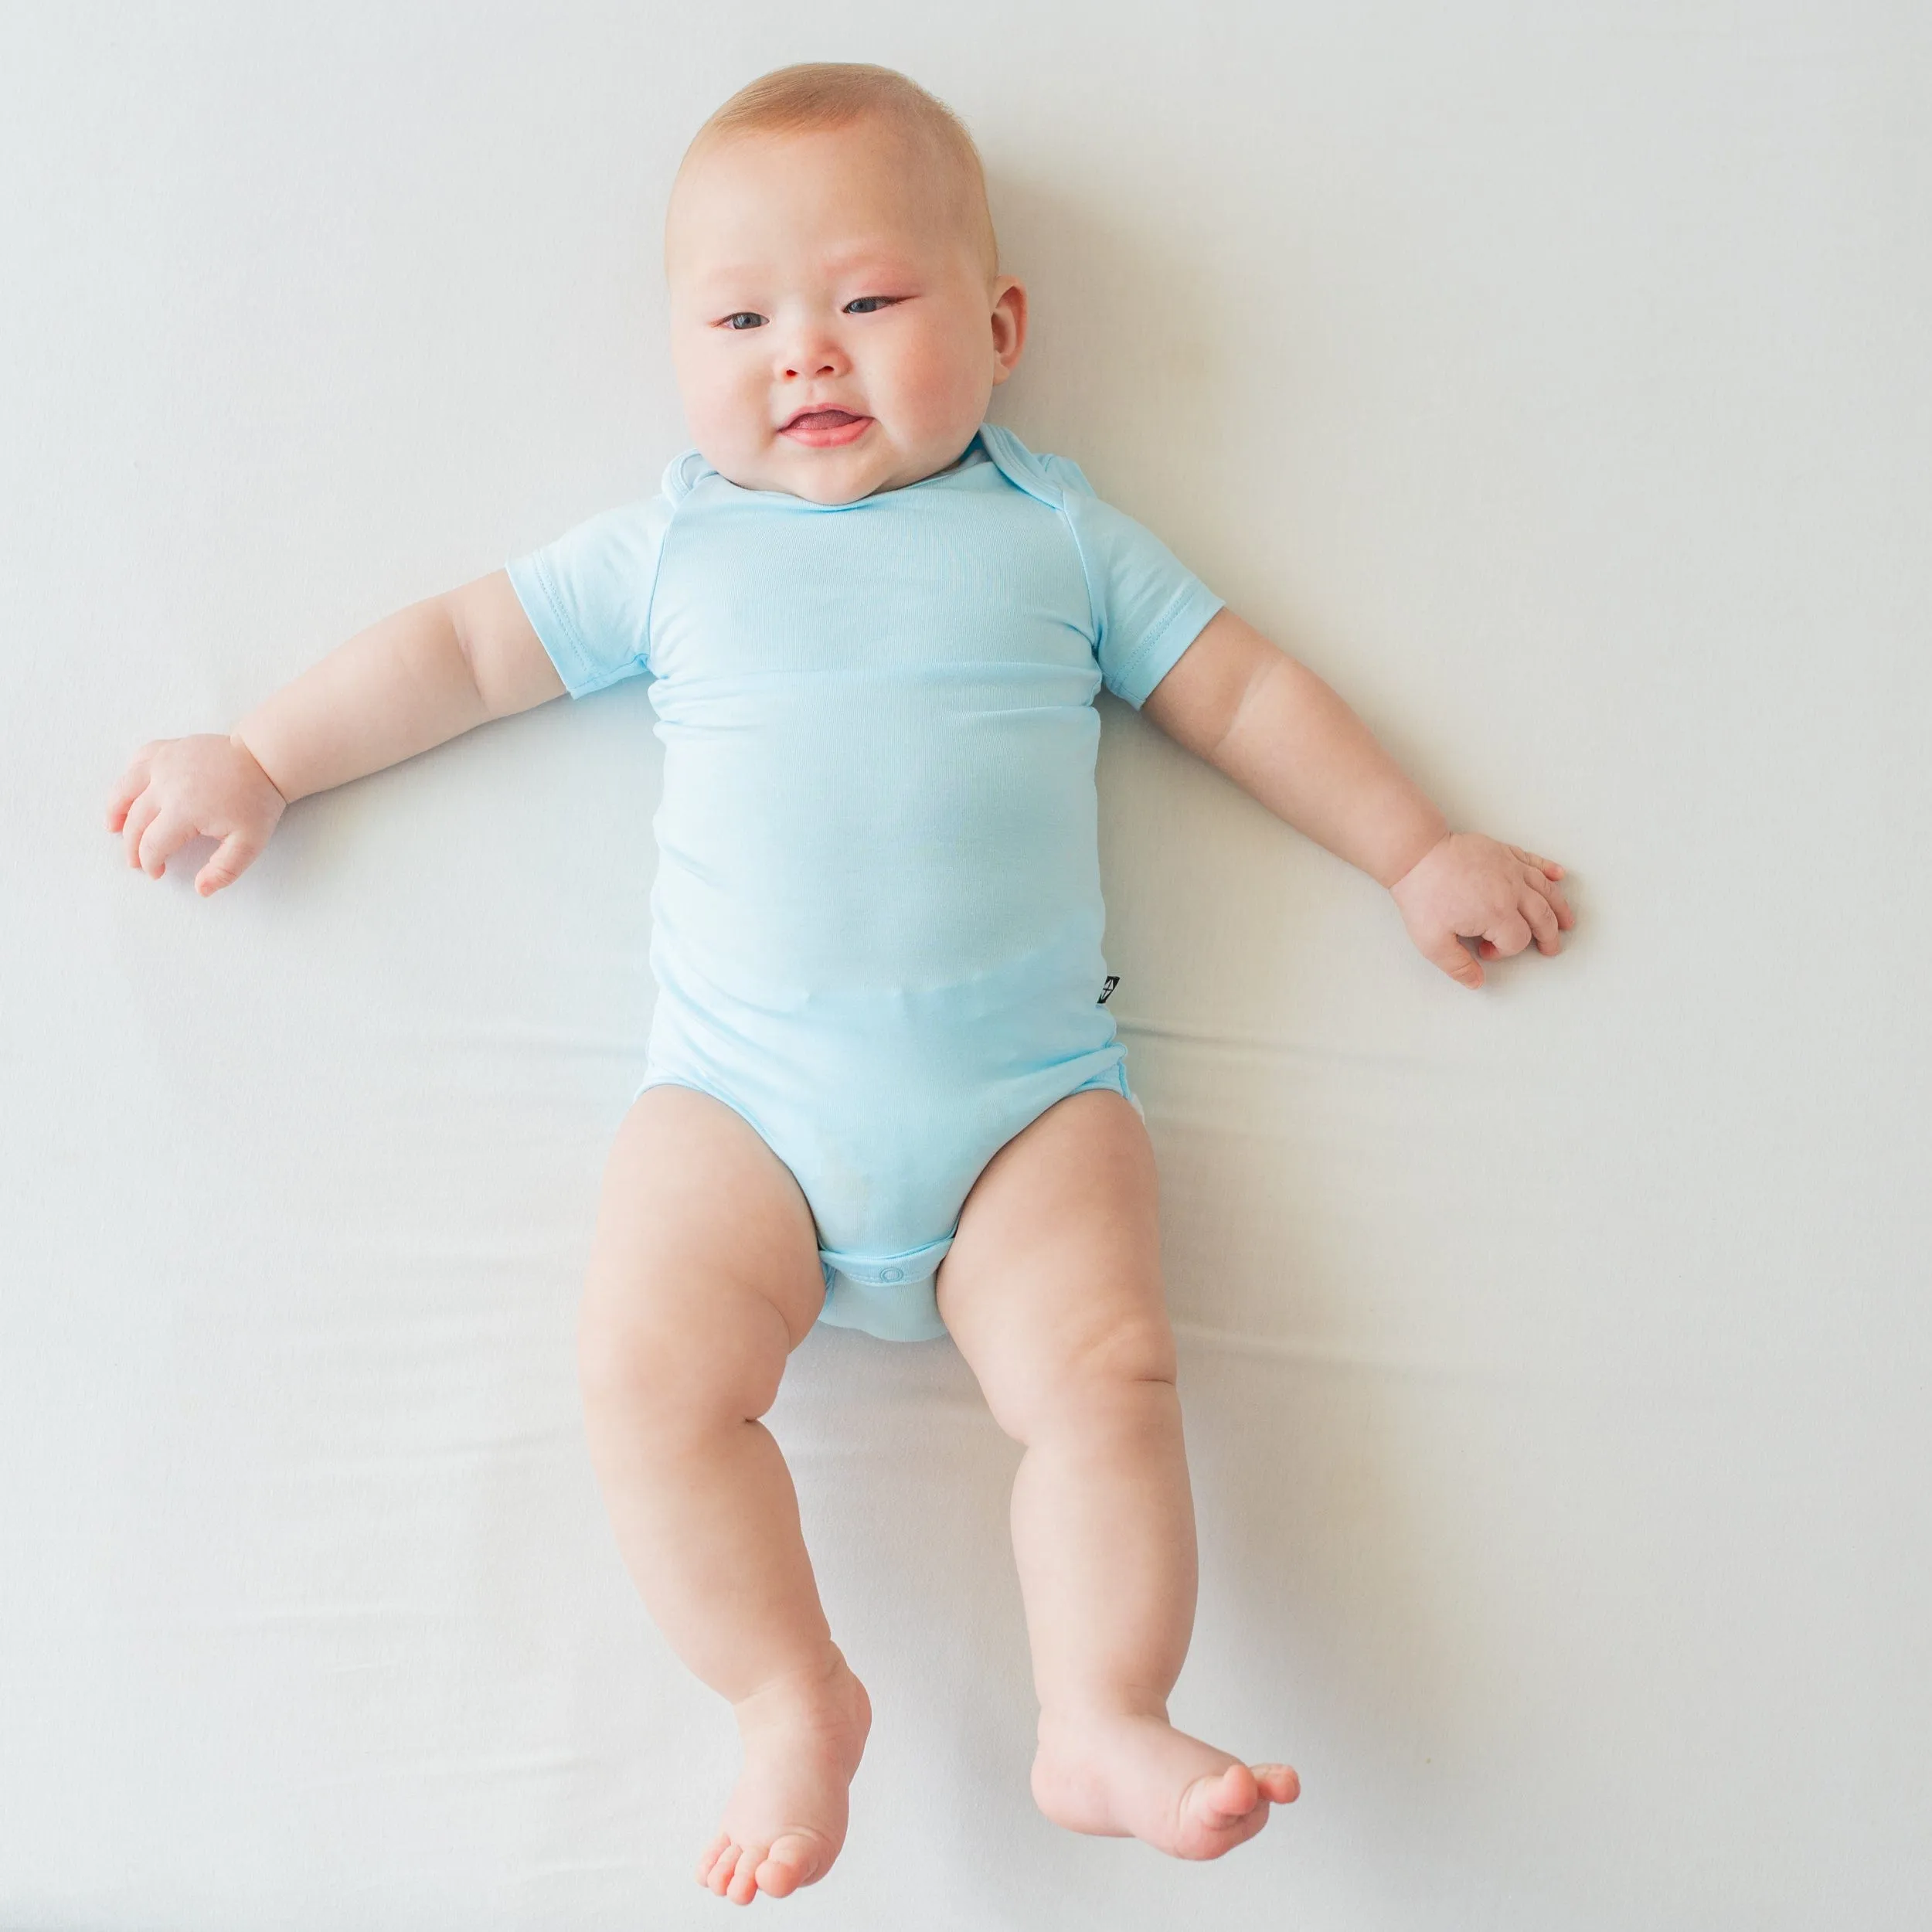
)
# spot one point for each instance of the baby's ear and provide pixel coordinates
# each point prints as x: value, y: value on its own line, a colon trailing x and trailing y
x: 1010, y: 325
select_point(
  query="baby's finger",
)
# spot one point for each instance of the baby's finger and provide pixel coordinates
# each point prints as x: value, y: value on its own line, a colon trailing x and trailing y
x: 162, y: 839
x: 132, y: 783
x: 1551, y: 892
x: 227, y: 863
x: 1445, y: 950
x: 140, y: 815
x: 1548, y: 867
x: 1509, y: 934
x: 1542, y: 917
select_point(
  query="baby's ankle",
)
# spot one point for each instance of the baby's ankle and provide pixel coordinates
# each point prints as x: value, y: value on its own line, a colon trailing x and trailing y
x: 810, y: 1683
x: 1097, y: 1708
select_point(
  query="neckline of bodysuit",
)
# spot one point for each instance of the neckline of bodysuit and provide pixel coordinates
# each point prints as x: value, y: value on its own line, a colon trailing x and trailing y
x: 969, y: 459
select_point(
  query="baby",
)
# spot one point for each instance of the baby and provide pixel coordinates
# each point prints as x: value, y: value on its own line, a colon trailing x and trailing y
x: 882, y: 1089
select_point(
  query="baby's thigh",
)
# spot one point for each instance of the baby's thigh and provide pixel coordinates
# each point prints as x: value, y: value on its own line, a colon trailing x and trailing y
x: 1054, y: 1277
x: 704, y: 1266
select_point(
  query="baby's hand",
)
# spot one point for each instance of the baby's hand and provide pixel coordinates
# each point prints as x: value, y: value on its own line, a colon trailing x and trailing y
x: 177, y: 789
x: 1467, y: 886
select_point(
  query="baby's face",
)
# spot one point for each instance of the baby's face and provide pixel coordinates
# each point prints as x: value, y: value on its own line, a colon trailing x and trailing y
x: 835, y: 329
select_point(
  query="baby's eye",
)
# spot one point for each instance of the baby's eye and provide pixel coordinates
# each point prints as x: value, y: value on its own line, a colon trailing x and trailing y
x: 744, y: 318
x: 865, y: 304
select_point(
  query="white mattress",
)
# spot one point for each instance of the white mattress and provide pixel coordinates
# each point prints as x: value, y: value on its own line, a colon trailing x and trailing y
x: 1555, y: 1359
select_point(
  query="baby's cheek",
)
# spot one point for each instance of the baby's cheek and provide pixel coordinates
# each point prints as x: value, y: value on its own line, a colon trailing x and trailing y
x: 720, y: 405
x: 941, y: 386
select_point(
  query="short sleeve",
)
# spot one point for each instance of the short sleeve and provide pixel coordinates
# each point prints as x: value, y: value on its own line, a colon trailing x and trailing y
x: 588, y: 594
x: 1148, y: 607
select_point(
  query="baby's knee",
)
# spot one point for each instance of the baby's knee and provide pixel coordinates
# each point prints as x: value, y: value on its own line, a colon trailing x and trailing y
x: 1083, y: 1380
x: 662, y: 1365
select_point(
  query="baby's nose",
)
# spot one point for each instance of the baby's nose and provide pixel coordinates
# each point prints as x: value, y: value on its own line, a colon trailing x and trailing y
x: 812, y: 356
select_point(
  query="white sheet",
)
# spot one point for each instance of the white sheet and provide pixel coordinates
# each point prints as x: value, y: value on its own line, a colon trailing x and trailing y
x: 1555, y: 1359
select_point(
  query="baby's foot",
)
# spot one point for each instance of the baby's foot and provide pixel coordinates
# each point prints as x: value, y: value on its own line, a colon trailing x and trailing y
x: 785, y: 1820
x: 1137, y: 1776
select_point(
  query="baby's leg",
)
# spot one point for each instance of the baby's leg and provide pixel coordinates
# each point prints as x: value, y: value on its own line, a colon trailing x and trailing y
x: 704, y: 1276
x: 1053, y: 1292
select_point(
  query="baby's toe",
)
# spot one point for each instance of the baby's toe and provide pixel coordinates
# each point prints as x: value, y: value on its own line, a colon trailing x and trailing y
x: 708, y: 1859
x: 793, y: 1861
x: 1218, y: 1802
x: 724, y: 1868
x: 742, y: 1886
x: 1277, y: 1782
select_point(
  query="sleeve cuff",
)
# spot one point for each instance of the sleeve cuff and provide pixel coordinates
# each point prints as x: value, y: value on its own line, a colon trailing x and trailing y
x: 554, y: 631
x: 1161, y: 649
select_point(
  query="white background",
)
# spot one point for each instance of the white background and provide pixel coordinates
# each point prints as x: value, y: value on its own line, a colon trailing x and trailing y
x: 1553, y: 380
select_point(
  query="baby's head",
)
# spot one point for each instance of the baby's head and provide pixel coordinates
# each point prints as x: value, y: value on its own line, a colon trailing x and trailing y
x: 837, y: 318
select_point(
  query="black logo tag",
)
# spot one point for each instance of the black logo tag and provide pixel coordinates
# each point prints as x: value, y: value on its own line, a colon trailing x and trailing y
x: 1112, y: 979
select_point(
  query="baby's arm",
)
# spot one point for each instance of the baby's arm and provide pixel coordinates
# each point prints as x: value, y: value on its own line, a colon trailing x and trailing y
x: 1280, y: 734
x: 431, y: 671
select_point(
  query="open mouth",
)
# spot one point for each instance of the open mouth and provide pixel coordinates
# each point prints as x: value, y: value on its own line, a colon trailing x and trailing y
x: 826, y: 428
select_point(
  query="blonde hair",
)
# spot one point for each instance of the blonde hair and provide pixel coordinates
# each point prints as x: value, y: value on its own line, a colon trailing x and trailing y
x: 818, y: 95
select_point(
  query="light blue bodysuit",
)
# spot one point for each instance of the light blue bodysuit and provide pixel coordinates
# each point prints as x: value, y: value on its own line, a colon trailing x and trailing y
x: 877, y: 919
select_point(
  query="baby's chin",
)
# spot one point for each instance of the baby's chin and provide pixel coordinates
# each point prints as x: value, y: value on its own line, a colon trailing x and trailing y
x: 831, y: 476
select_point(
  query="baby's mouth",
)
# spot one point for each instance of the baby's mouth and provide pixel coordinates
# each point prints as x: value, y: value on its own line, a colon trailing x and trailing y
x: 826, y: 428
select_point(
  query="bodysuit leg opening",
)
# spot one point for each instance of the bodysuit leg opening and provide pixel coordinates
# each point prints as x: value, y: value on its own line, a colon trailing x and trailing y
x: 891, y: 1296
